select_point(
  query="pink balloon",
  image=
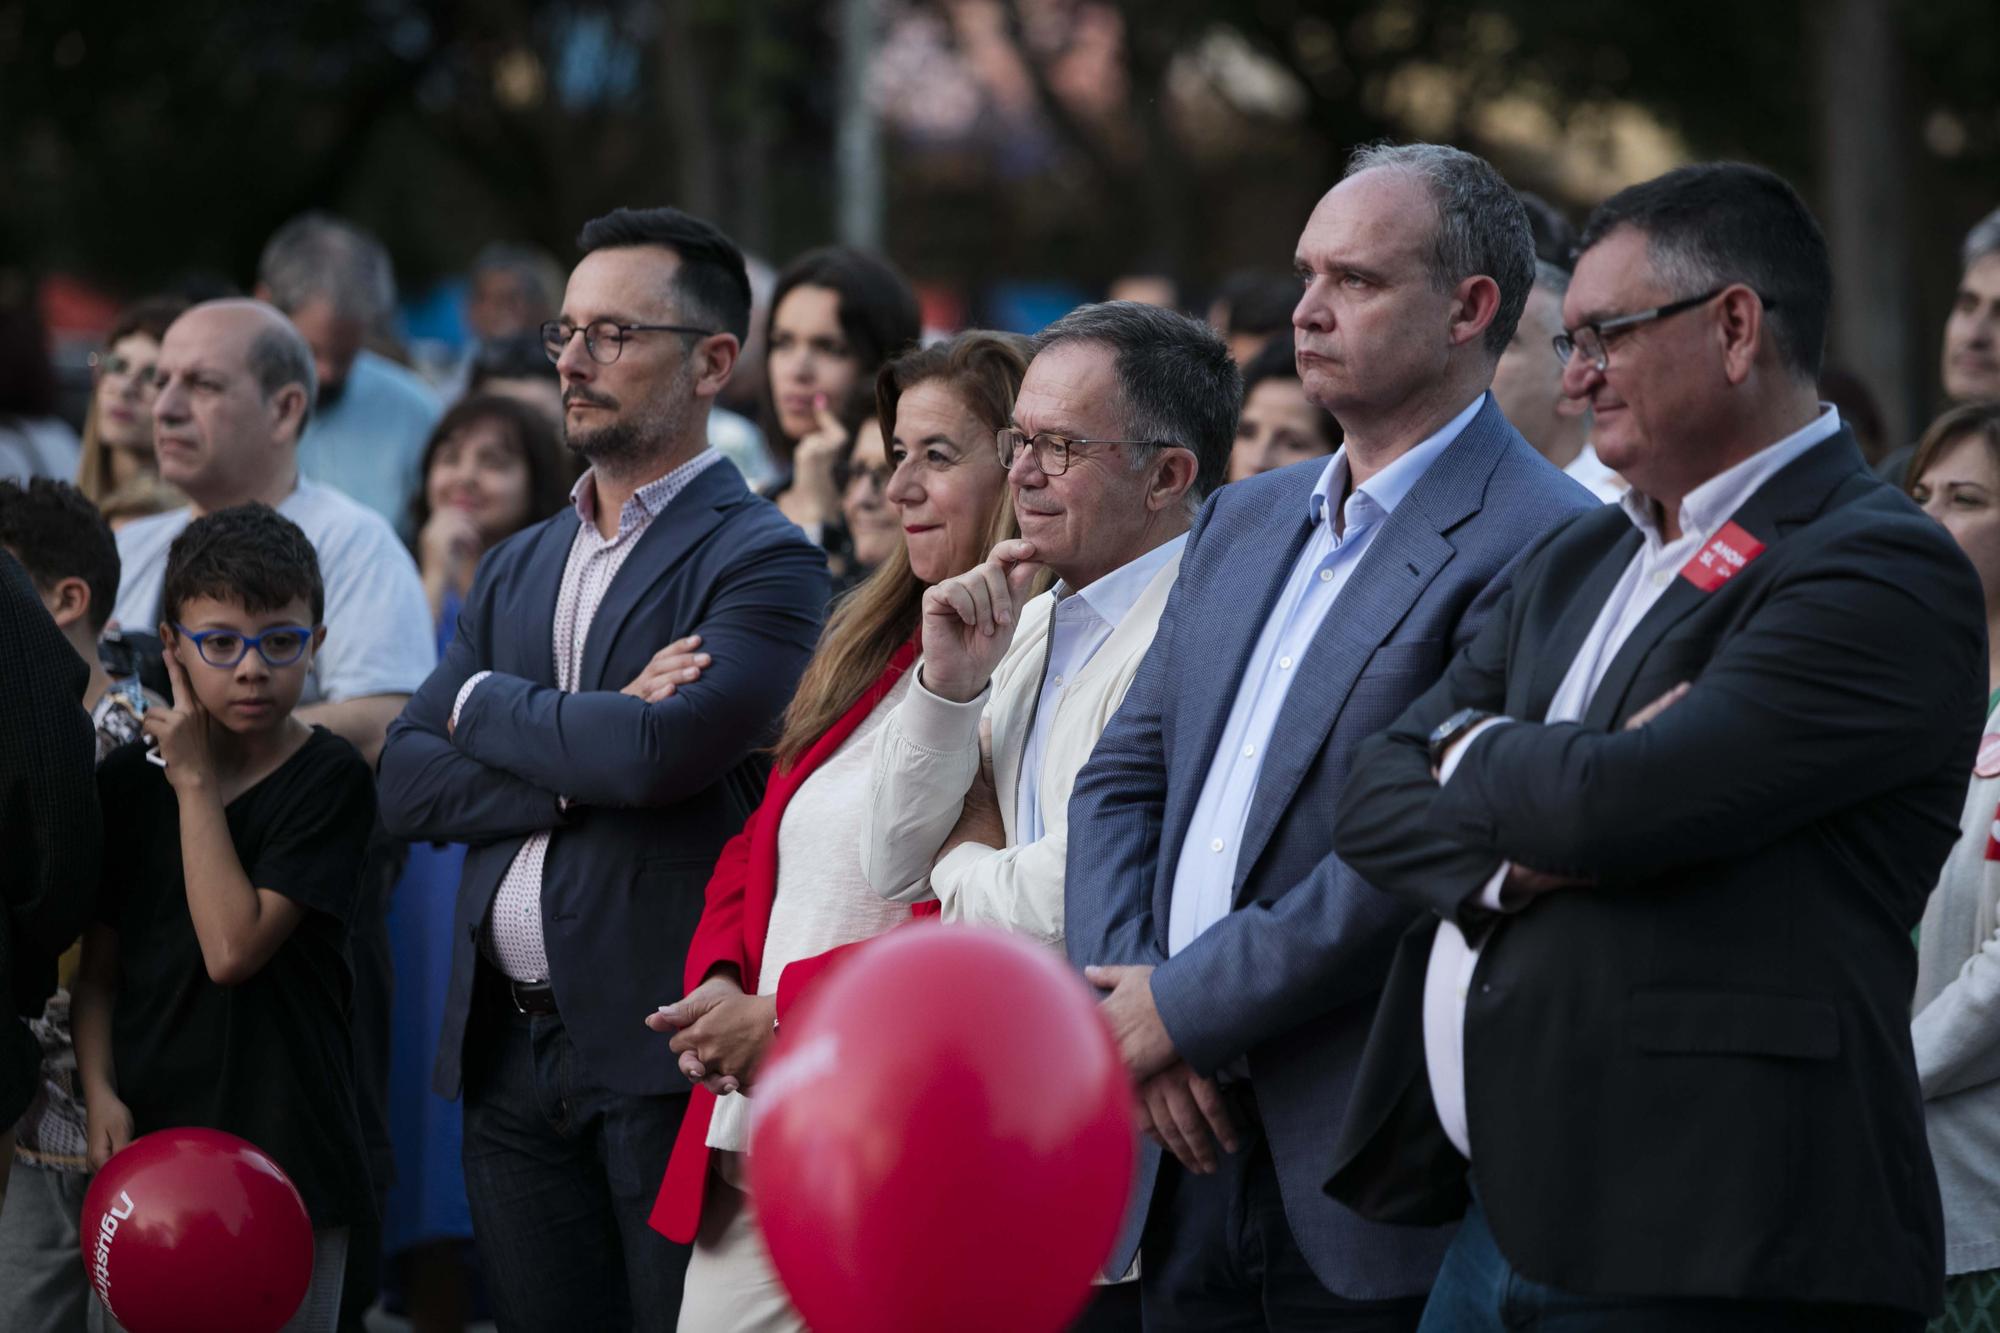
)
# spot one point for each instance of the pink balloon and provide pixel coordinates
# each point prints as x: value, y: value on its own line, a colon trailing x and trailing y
x: 943, y: 1139
x: 196, y: 1231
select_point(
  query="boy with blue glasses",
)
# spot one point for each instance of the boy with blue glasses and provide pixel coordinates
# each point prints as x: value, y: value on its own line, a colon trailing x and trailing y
x: 214, y: 988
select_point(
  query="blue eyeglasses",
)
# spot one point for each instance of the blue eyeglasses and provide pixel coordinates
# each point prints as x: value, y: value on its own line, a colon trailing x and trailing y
x: 279, y: 646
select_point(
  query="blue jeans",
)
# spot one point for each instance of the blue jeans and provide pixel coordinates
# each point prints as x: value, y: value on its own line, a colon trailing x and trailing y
x: 1478, y: 1291
x: 561, y: 1173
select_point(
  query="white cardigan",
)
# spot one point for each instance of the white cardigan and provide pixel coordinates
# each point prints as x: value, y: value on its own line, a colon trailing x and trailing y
x: 1956, y: 1032
x: 929, y: 751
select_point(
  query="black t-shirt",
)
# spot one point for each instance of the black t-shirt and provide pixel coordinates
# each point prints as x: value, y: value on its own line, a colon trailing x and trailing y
x: 269, y: 1060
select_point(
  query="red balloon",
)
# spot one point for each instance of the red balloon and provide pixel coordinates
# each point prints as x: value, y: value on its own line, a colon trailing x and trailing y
x: 943, y: 1139
x: 196, y: 1231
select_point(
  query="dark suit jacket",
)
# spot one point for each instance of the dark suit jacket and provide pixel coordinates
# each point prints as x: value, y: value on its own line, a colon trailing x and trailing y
x: 48, y: 819
x: 1291, y: 976
x: 1693, y: 1078
x: 655, y: 789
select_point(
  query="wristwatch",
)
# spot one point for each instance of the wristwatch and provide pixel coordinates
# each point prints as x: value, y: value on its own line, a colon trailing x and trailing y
x: 1450, y: 731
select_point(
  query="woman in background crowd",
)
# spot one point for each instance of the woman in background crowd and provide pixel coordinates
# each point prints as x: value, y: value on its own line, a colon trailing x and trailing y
x: 1956, y: 1031
x: 788, y: 889
x: 118, y: 472
x: 1279, y: 425
x: 836, y: 315
x: 492, y: 466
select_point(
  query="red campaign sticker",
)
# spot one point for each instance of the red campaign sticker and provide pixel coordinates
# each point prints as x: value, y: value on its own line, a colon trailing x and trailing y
x: 1987, y: 765
x: 1993, y: 838
x: 1722, y: 559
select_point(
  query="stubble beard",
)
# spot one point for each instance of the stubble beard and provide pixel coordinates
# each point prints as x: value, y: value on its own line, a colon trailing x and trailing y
x: 642, y: 436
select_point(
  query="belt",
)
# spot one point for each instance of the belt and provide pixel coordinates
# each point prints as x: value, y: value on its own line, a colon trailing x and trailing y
x: 522, y: 997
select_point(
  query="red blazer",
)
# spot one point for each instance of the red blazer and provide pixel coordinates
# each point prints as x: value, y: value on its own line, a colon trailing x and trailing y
x: 734, y: 921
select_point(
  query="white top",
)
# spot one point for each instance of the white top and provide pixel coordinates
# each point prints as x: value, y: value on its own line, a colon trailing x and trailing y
x: 1083, y: 620
x: 823, y: 900
x: 929, y: 752
x: 1652, y: 569
x: 1205, y: 876
x: 37, y: 447
x: 379, y: 634
x: 1596, y: 478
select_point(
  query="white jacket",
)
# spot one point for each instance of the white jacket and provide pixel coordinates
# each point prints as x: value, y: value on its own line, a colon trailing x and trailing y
x: 928, y: 753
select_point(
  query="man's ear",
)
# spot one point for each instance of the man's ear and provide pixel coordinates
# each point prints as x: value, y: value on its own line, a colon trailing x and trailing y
x: 1173, y: 475
x: 1740, y: 326
x: 70, y: 602
x: 289, y: 403
x: 1475, y: 302
x: 715, y: 360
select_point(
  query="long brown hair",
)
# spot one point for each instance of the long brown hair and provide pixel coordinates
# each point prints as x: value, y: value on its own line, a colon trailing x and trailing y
x: 984, y: 370
x: 149, y: 318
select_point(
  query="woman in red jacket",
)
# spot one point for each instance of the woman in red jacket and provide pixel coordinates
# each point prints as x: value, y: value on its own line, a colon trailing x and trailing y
x: 788, y: 889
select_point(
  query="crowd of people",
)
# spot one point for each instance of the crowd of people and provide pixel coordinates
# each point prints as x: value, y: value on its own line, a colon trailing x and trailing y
x: 1474, y: 692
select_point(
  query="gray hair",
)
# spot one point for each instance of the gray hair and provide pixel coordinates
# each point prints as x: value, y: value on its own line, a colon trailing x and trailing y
x: 1983, y: 239
x: 279, y: 355
x: 1482, y: 227
x: 538, y: 274
x: 316, y: 255
x: 1176, y: 380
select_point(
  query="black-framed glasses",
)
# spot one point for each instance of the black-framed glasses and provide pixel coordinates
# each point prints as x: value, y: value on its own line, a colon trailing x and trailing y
x: 279, y: 646
x: 110, y: 363
x: 604, y: 339
x: 1053, y: 452
x: 1592, y: 340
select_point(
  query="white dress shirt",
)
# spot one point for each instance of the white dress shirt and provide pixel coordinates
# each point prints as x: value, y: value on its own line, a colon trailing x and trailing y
x: 514, y: 923
x: 1083, y: 619
x: 1588, y: 470
x: 1653, y: 568
x: 1204, y: 877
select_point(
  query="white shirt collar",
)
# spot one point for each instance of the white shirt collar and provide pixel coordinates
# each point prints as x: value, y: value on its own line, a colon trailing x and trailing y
x: 1710, y: 504
x: 1113, y: 596
x: 1386, y: 489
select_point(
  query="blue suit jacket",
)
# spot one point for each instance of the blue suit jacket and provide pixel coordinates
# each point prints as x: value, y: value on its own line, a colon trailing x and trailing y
x: 1291, y: 977
x: 654, y: 789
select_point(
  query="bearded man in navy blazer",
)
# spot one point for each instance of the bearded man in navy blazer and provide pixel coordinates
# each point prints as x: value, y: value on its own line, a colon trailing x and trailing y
x: 1670, y: 820
x: 593, y: 801
x: 1241, y: 956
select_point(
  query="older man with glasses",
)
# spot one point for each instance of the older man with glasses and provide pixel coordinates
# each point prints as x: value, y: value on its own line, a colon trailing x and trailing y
x: 594, y: 808
x: 1670, y: 820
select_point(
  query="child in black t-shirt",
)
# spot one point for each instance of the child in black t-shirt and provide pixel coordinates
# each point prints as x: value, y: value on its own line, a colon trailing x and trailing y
x: 214, y: 987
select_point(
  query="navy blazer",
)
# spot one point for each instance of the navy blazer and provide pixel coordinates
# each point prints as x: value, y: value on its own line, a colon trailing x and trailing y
x: 653, y: 790
x: 1291, y: 977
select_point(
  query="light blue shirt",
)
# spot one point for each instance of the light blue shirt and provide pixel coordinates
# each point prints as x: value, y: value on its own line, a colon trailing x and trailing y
x: 369, y: 444
x: 1083, y: 620
x: 1205, y: 875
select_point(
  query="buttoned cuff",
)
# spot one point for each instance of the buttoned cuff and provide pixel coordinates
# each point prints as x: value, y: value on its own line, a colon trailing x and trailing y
x: 933, y: 722
x: 464, y: 693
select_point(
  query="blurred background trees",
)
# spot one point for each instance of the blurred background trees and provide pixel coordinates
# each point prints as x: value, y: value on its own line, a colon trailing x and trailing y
x: 995, y: 147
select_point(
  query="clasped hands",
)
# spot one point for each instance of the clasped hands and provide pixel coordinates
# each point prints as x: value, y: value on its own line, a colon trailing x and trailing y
x: 720, y: 1034
x: 1180, y: 1110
